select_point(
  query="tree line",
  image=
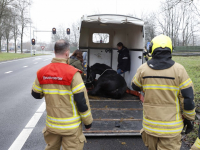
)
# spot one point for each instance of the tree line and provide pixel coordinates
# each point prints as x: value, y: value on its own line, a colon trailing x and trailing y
x: 14, y: 18
x: 178, y: 19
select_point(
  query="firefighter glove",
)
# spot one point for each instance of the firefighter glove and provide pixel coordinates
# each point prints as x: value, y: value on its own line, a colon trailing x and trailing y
x: 189, y: 124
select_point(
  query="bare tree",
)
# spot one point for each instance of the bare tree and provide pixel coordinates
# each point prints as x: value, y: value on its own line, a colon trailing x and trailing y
x: 16, y: 32
x: 75, y: 34
x: 22, y: 6
x: 4, y: 12
x: 176, y: 22
x: 8, y: 26
x: 150, y: 26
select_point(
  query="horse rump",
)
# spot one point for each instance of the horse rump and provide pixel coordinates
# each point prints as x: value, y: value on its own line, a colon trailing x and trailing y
x: 117, y: 93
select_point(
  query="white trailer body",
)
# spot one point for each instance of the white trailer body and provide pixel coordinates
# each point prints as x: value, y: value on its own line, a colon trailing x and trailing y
x: 99, y: 36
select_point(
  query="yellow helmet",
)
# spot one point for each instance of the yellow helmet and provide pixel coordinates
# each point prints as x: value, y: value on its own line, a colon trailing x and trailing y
x: 161, y: 41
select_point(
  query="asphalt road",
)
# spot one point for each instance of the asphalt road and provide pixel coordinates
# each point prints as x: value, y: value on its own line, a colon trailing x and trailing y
x: 18, y: 107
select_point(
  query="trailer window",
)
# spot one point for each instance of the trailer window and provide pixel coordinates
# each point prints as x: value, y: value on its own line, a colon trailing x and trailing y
x: 101, y: 38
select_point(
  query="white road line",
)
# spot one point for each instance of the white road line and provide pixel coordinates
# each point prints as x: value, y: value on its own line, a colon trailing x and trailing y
x: 19, y: 142
x: 23, y: 136
x: 47, y: 59
x: 34, y: 120
x: 42, y: 108
x: 25, y: 66
x: 37, y: 59
x: 14, y: 60
x: 8, y: 72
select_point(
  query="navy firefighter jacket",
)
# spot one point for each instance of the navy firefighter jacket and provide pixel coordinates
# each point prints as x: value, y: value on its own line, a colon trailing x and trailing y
x: 124, y: 59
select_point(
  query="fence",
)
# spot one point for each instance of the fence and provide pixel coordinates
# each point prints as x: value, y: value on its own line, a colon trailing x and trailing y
x: 186, y: 49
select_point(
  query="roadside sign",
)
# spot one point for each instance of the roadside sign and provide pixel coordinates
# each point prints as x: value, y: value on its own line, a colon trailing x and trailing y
x: 43, y: 47
x: 148, y: 44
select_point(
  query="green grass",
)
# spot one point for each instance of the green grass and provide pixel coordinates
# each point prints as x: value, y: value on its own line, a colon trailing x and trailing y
x: 192, y: 66
x: 12, y: 56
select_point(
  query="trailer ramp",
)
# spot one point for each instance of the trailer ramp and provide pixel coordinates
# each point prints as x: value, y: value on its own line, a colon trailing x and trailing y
x: 116, y: 117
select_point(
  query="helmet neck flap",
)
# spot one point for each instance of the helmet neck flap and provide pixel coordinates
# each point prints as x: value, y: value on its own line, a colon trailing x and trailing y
x: 161, y: 59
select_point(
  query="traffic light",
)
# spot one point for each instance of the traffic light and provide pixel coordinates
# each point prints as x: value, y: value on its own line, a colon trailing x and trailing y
x: 33, y: 41
x: 54, y: 30
x: 68, y: 31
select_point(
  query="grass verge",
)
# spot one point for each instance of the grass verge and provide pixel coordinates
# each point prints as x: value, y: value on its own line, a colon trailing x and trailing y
x: 12, y: 56
x: 192, y: 66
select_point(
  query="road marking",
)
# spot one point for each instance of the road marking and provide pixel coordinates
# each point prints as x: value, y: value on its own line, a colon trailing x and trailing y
x: 25, y: 66
x: 34, y: 120
x: 37, y: 59
x: 47, y: 59
x: 8, y: 72
x: 20, y: 59
x: 23, y: 136
x: 14, y: 60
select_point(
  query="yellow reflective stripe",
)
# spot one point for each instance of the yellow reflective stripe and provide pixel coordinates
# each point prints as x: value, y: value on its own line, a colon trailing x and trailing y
x: 78, y: 87
x: 163, y: 131
x: 37, y: 88
x: 192, y: 112
x: 85, y: 115
x: 57, y: 91
x: 63, y: 120
x: 185, y: 84
x: 74, y: 109
x: 161, y: 87
x: 163, y: 123
x: 177, y: 106
x: 63, y: 127
x: 137, y: 82
x: 197, y: 143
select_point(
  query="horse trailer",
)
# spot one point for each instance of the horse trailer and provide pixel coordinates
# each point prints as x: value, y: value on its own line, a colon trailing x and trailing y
x: 99, y: 35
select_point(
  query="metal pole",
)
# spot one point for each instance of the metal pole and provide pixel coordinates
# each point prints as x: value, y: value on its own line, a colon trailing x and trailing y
x: 30, y: 24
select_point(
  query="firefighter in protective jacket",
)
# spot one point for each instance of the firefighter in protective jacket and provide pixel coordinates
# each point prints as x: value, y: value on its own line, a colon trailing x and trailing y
x: 67, y: 103
x: 196, y: 145
x: 168, y: 95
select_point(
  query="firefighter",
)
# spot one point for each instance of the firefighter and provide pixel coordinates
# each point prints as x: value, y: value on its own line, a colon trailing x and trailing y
x: 168, y: 92
x: 146, y: 55
x: 196, y: 145
x: 67, y: 103
x: 123, y: 59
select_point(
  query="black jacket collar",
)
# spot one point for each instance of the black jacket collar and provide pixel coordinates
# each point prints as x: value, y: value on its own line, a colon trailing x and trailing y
x: 161, y: 60
x: 123, y: 48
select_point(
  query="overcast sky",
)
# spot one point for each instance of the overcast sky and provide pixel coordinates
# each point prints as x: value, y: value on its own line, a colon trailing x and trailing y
x: 46, y: 14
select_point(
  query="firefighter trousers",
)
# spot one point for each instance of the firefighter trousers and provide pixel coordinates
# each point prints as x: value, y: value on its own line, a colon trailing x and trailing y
x: 68, y: 142
x: 156, y: 143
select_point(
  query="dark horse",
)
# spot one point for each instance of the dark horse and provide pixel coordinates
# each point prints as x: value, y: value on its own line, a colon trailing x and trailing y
x: 109, y: 84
